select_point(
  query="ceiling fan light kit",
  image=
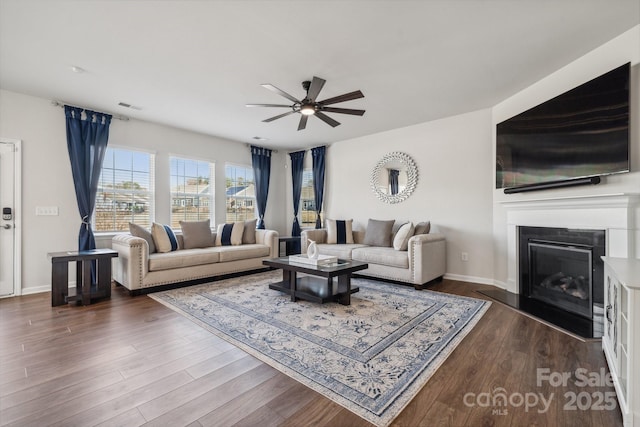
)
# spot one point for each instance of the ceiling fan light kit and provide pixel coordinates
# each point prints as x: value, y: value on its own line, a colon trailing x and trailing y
x: 309, y: 106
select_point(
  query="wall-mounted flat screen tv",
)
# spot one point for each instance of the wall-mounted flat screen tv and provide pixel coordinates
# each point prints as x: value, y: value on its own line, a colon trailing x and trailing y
x: 581, y: 133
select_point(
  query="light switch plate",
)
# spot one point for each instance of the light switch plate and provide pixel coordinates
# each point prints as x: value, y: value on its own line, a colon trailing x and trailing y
x: 46, y: 210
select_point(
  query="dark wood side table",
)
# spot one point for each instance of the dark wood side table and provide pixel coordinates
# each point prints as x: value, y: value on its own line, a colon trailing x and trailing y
x: 292, y: 245
x: 84, y: 289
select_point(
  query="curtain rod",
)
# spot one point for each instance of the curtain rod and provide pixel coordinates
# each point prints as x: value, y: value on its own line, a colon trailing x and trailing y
x: 254, y: 145
x: 115, y: 116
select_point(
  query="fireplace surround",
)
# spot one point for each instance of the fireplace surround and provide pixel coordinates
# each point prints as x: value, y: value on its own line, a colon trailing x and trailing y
x: 616, y: 215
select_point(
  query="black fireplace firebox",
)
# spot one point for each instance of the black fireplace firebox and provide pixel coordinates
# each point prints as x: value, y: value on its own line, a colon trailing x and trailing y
x: 561, y: 269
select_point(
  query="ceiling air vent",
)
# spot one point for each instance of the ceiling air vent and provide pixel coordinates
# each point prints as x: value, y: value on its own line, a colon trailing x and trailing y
x: 126, y: 105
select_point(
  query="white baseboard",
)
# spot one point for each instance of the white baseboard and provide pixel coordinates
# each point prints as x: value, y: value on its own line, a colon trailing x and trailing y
x: 471, y: 279
x: 40, y: 289
x: 35, y: 290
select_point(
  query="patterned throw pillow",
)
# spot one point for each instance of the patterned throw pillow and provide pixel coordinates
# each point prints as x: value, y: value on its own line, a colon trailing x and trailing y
x: 164, y: 238
x: 143, y: 233
x: 229, y: 234
x: 339, y: 231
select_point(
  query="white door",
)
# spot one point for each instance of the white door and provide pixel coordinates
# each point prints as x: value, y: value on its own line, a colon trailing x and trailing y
x: 8, y: 242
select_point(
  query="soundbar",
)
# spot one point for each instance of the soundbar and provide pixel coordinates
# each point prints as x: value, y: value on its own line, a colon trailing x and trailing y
x: 592, y: 180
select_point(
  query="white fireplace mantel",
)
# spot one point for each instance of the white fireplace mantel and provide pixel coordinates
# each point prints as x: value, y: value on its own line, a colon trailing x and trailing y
x: 617, y: 214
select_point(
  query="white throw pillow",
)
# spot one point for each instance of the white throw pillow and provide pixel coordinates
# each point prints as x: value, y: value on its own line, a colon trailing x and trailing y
x: 401, y: 241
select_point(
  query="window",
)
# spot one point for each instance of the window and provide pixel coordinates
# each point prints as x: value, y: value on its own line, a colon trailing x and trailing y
x: 192, y: 190
x: 241, y: 193
x: 307, y: 200
x: 125, y: 190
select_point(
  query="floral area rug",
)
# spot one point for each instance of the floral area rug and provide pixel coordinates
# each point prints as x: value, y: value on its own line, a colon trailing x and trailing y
x: 371, y: 357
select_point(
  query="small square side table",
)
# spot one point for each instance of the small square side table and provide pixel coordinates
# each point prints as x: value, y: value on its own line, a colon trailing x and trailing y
x: 84, y: 290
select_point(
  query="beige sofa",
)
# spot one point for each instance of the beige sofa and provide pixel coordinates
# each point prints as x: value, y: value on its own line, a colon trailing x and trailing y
x: 139, y: 271
x: 423, y: 261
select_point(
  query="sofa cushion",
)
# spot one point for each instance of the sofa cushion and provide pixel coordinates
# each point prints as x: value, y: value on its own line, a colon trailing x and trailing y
x: 235, y: 253
x: 341, y: 251
x: 422, y: 228
x: 229, y: 234
x: 143, y: 233
x: 401, y: 239
x: 249, y: 233
x: 382, y: 256
x: 339, y: 231
x: 196, y: 234
x: 378, y: 233
x: 164, y: 238
x: 183, y: 258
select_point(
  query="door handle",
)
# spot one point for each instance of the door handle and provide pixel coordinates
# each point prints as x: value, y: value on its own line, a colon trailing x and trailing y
x: 7, y: 226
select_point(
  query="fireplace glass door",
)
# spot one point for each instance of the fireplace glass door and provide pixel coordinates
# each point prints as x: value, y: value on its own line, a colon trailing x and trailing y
x: 561, y: 275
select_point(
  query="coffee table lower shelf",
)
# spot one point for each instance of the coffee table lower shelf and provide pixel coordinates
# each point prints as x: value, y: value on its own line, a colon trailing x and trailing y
x: 317, y: 290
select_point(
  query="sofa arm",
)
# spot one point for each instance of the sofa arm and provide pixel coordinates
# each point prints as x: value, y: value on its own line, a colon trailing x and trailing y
x: 132, y: 263
x: 427, y: 257
x: 269, y: 238
x: 318, y: 235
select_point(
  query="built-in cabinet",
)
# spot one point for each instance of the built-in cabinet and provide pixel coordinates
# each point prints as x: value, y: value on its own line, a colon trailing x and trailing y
x: 621, y: 340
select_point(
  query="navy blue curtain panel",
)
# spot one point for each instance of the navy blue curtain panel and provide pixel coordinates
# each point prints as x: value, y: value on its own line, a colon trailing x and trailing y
x: 393, y: 180
x: 318, y: 154
x: 261, y: 162
x: 87, y: 143
x: 297, y: 167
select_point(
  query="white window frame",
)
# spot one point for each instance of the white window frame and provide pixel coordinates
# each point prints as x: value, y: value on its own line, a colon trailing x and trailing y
x: 150, y: 192
x: 182, y: 196
x: 252, y: 200
x: 307, y: 173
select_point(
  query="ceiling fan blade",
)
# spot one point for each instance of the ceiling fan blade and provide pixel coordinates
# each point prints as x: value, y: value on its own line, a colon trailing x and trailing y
x: 278, y: 116
x: 268, y: 105
x: 303, y: 122
x: 342, y: 98
x: 328, y: 120
x: 316, y: 86
x: 344, y: 111
x: 279, y: 92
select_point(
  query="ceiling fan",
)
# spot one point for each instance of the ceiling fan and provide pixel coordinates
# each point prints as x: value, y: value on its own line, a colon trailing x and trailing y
x: 308, y: 106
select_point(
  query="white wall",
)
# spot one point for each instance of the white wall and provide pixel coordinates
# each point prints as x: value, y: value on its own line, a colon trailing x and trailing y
x: 47, y: 181
x: 624, y: 48
x: 455, y: 157
x: 453, y: 191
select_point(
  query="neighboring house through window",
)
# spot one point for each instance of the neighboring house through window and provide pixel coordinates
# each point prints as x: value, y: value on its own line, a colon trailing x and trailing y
x: 125, y: 190
x: 240, y: 193
x: 307, y: 200
x: 192, y: 184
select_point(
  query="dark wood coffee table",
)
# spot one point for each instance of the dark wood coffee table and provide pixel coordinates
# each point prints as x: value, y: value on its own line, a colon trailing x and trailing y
x: 318, y: 284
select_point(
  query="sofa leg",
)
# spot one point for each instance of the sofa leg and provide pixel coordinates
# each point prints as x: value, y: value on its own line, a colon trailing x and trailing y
x: 430, y: 282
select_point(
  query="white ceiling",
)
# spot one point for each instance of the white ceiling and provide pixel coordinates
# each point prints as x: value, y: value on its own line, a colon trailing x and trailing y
x: 195, y: 64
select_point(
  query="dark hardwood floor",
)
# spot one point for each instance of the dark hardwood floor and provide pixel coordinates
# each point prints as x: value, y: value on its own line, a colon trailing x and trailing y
x: 130, y: 361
